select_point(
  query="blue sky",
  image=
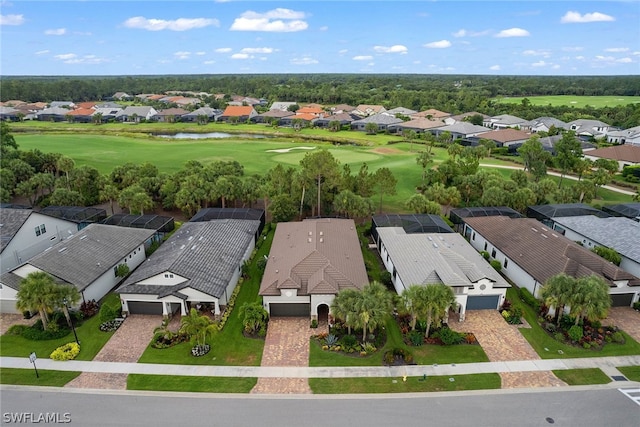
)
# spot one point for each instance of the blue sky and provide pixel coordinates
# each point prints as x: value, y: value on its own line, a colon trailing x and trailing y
x: 226, y: 37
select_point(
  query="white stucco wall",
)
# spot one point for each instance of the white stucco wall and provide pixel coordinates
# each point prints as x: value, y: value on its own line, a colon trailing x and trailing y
x: 317, y: 300
x: 166, y: 278
x: 8, y: 299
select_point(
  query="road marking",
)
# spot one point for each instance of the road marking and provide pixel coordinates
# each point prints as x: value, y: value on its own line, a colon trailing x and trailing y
x: 631, y: 393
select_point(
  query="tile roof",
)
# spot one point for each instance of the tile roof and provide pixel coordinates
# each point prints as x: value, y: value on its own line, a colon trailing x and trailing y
x: 91, y: 252
x: 431, y: 112
x: 544, y: 253
x: 464, y: 128
x: 420, y: 123
x: 508, y: 119
x: 237, y: 110
x: 505, y: 135
x: 207, y: 254
x: 381, y: 119
x: 11, y: 220
x: 621, y: 234
x: 315, y: 256
x: 624, y: 153
x: 401, y: 110
x: 82, y: 112
x: 432, y: 258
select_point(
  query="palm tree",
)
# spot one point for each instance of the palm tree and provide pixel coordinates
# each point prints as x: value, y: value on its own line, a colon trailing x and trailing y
x: 437, y: 300
x: 557, y: 292
x: 255, y: 316
x: 198, y: 327
x: 590, y: 299
x: 412, y: 301
x: 372, y: 307
x: 65, y: 296
x: 37, y: 293
x: 344, y: 307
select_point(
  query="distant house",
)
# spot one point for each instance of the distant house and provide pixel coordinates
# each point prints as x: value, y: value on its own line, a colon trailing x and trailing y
x: 9, y: 114
x: 307, y: 119
x: 62, y: 104
x: 345, y: 119
x: 107, y: 113
x: 122, y: 96
x: 241, y: 112
x: 546, y: 213
x: 282, y: 105
x: 505, y: 137
x: 53, y: 114
x: 530, y: 254
x: 272, y: 115
x: 170, y: 115
x: 587, y: 129
x: 314, y: 111
x: 504, y: 121
x: 629, y: 136
x: 464, y: 117
x: 625, y: 155
x: 342, y: 108
x: 81, y: 115
x: 441, y: 258
x: 199, y: 265
x: 382, y: 121
x: 543, y: 124
x: 459, y: 130
x: 309, y: 263
x: 136, y: 114
x: 619, y: 234
x: 364, y: 110
x: 400, y: 111
x: 88, y: 261
x: 420, y: 125
x: 431, y: 113
x: 211, y: 113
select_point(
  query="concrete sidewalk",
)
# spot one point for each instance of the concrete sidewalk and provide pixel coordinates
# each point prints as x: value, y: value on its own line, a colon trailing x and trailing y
x: 604, y: 363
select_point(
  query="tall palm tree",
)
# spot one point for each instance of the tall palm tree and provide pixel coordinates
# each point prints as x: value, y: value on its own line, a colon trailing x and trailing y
x: 557, y: 293
x: 590, y: 299
x: 198, y: 327
x: 412, y: 300
x: 37, y: 293
x: 438, y: 299
x: 65, y: 296
x: 343, y: 307
x: 373, y: 306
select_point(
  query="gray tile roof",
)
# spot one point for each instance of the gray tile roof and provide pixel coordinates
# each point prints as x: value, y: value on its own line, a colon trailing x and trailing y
x: 207, y: 254
x: 11, y: 220
x: 548, y: 122
x: 431, y: 258
x: 509, y: 120
x: 13, y: 280
x: 379, y: 119
x: 621, y: 234
x: 464, y: 128
x: 83, y: 258
x: 401, y: 110
x: 315, y: 256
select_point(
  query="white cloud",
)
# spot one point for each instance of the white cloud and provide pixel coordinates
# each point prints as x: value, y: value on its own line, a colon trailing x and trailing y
x: 223, y: 50
x: 241, y: 56
x: 65, y: 56
x: 513, y: 32
x: 398, y: 48
x: 201, y: 53
x: 624, y: 60
x: 441, y: 44
x: 56, y: 32
x: 637, y: 52
x: 362, y: 58
x: 182, y: 54
x: 540, y: 64
x: 539, y: 52
x: 180, y: 24
x: 209, y: 62
x: 495, y: 68
x: 343, y: 51
x: 278, y: 20
x: 580, y: 58
x: 460, y: 33
x: 86, y: 59
x: 556, y: 67
x: 42, y: 52
x: 604, y: 58
x: 573, y: 48
x: 306, y: 60
x: 617, y: 49
x: 573, y: 17
x: 324, y: 28
x: 11, y: 19
x: 257, y: 50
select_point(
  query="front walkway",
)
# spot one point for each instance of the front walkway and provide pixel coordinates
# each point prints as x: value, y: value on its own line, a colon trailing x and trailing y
x: 626, y: 318
x: 126, y: 345
x: 503, y: 342
x: 286, y: 344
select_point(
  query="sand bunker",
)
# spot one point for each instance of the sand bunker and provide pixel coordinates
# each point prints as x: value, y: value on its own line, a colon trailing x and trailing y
x: 385, y: 150
x: 287, y: 150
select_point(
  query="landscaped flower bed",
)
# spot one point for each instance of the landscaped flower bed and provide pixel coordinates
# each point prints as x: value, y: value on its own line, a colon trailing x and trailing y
x: 200, y: 350
x: 111, y: 325
x: 588, y: 336
x: 66, y: 352
x: 339, y: 340
x: 438, y: 336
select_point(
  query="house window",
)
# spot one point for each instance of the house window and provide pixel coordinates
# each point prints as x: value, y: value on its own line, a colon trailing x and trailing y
x: 115, y: 271
x: 168, y: 275
x: 473, y: 236
x: 485, y: 246
x: 493, y: 253
x: 37, y: 230
x: 43, y: 229
x: 506, y: 262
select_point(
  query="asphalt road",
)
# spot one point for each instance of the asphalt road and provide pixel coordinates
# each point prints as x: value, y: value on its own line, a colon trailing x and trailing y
x: 584, y: 407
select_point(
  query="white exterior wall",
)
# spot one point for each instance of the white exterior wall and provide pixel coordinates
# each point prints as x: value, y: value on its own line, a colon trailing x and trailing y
x: 317, y: 300
x: 25, y: 244
x: 388, y: 264
x: 107, y: 281
x: 8, y: 299
x: 161, y: 280
x: 630, y: 266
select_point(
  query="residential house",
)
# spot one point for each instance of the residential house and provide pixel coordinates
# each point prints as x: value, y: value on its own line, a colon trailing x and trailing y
x: 400, y: 111
x: 170, y: 115
x: 464, y: 117
x: 89, y: 105
x: 136, y: 114
x: 544, y: 124
x: 159, y: 224
x: 504, y: 121
x: 88, y: 260
x: 420, y: 125
x: 211, y: 114
x: 620, y: 234
x: 530, y: 254
x: 589, y: 129
x: 282, y: 105
x: 241, y: 113
x: 198, y: 266
x: 345, y: 119
x: 504, y: 137
x: 627, y: 210
x: 272, y: 115
x: 410, y: 223
x: 314, y: 111
x: 625, y: 155
x: 290, y: 121
x: 62, y: 104
x: 383, y: 121
x: 107, y: 113
x: 629, y: 136
x: 122, y: 96
x: 108, y: 104
x: 53, y: 114
x: 342, y: 108
x: 81, y: 115
x: 441, y: 258
x: 546, y: 213
x: 460, y: 130
x: 458, y: 216
x: 9, y: 114
x: 431, y: 113
x: 309, y: 263
x: 364, y: 110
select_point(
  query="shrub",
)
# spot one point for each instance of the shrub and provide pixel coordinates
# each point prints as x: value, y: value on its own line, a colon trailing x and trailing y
x: 16, y: 330
x: 36, y: 333
x: 314, y: 324
x: 349, y: 341
x: 575, y: 333
x: 332, y: 340
x: 485, y: 255
x: 449, y: 336
x: 66, y: 352
x: 559, y: 336
x: 586, y: 345
x: 497, y: 265
x: 529, y: 299
x: 617, y: 337
x: 636, y: 305
x: 416, y: 338
x: 89, y: 308
x: 108, y: 313
x: 369, y: 348
x: 397, y: 355
x: 515, y: 316
x: 110, y: 326
x: 200, y: 350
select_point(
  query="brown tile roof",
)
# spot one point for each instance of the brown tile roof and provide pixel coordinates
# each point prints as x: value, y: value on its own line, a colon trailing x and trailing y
x: 421, y: 123
x: 542, y: 252
x: 505, y: 135
x: 318, y: 256
x: 431, y: 112
x: 87, y: 105
x: 305, y: 116
x: 310, y: 110
x: 81, y: 112
x: 237, y: 110
x: 172, y: 112
x: 626, y: 153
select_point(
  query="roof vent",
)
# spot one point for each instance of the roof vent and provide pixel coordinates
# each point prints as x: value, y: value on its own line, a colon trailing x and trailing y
x: 441, y: 238
x: 62, y: 250
x: 435, y: 245
x: 309, y: 240
x: 322, y: 233
x: 83, y: 237
x: 190, y: 238
x: 182, y: 247
x: 545, y: 236
x: 321, y: 240
x: 311, y: 233
x: 193, y: 247
x: 534, y: 229
x: 430, y: 238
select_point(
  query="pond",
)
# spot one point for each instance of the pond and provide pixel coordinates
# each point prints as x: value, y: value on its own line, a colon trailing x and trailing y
x: 210, y: 135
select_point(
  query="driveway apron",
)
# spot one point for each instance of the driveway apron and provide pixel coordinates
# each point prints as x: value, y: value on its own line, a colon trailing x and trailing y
x: 626, y: 319
x: 503, y: 342
x: 126, y: 345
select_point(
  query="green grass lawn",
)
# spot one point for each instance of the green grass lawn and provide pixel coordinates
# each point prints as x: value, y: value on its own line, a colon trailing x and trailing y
x: 228, y: 347
x: 549, y: 348
x: 28, y: 377
x: 397, y: 385
x: 631, y: 372
x: 190, y: 383
x: 573, y: 101
x: 423, y: 355
x: 90, y: 337
x: 582, y: 376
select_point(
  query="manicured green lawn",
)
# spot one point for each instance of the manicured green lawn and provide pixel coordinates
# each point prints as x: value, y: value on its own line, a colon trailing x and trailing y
x: 190, y: 384
x: 228, y: 347
x: 90, y: 337
x: 423, y: 355
x: 582, y: 376
x: 573, y: 101
x: 28, y: 377
x: 549, y: 348
x: 397, y: 385
x: 631, y: 372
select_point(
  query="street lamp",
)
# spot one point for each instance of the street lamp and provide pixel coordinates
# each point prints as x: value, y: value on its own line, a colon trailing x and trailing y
x: 64, y: 301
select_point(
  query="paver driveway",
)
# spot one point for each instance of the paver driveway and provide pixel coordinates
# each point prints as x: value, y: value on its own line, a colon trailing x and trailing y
x: 7, y: 320
x: 503, y: 342
x: 286, y: 344
x: 626, y: 319
x: 126, y: 345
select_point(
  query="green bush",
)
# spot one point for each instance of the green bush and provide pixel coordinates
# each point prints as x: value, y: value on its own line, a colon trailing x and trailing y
x: 66, y: 352
x: 108, y: 313
x: 617, y: 337
x: 529, y: 299
x: 575, y: 333
x: 36, y: 333
x: 485, y: 255
x: 559, y: 336
x: 416, y: 338
x: 497, y: 265
x: 449, y: 336
x: 348, y: 341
